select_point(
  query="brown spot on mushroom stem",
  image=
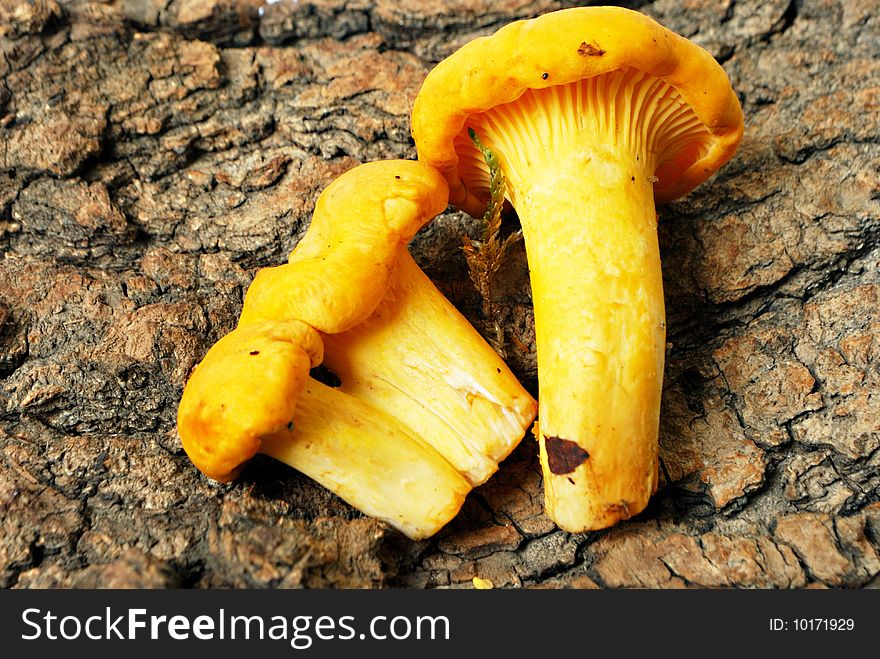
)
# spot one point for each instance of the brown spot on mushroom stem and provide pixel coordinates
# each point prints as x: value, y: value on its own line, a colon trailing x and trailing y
x: 564, y: 455
x: 590, y: 50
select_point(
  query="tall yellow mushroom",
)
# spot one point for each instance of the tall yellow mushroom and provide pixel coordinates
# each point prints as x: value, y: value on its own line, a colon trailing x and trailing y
x: 594, y: 113
x: 425, y: 409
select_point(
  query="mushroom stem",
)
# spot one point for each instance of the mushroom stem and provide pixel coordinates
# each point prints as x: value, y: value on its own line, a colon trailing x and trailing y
x: 591, y: 240
x: 580, y: 160
x: 419, y: 360
x: 370, y: 460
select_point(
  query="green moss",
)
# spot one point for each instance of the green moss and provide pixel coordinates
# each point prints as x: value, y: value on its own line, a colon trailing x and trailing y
x: 486, y: 254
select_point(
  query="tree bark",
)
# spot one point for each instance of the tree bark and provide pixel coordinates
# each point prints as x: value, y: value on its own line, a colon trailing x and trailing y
x: 155, y: 154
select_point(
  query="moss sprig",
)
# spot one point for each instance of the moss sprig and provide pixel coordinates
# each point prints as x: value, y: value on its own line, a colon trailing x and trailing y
x: 486, y: 255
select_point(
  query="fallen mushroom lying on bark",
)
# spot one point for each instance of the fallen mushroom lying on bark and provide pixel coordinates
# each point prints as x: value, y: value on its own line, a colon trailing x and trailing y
x: 593, y: 114
x: 425, y: 409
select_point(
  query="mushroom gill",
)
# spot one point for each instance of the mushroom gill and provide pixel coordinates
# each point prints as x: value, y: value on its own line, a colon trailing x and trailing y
x: 645, y: 119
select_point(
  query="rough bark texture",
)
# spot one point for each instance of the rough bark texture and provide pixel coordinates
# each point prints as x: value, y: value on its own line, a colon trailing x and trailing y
x: 154, y: 153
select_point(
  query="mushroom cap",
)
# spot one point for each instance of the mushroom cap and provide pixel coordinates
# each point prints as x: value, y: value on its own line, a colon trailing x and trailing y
x: 563, y: 47
x: 244, y: 389
x: 339, y: 271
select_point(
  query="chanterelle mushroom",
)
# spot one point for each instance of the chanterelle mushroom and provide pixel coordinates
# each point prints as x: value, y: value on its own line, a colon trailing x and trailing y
x: 594, y: 113
x: 395, y: 438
